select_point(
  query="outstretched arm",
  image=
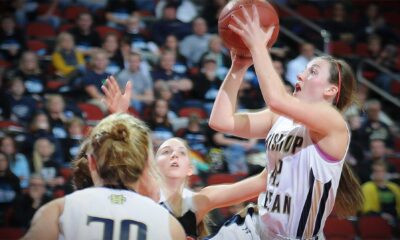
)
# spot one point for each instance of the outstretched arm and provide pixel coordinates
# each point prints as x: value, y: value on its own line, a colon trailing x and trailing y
x: 272, y: 87
x: 217, y: 196
x: 224, y: 118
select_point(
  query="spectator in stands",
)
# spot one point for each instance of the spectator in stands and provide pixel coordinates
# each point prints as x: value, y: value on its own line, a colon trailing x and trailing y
x: 234, y: 150
x: 69, y: 63
x: 30, y: 72
x: 280, y: 69
x: 94, y: 77
x: 159, y: 123
x: 374, y: 127
x: 195, y: 135
x: 378, y: 152
x: 118, y: 12
x: 51, y: 15
x: 44, y: 163
x: 139, y: 39
x: 85, y: 37
x: 75, y: 127
x: 18, y: 163
x: 22, y: 106
x: 30, y: 201
x: 382, y: 196
x: 340, y: 27
x: 40, y: 128
x: 115, y: 58
x: 298, y: 64
x: 172, y: 45
x: 24, y: 10
x: 373, y: 22
x: 211, y: 11
x: 164, y: 92
x: 126, y: 50
x: 386, y: 56
x: 356, y: 154
x: 58, y: 116
x: 216, y: 51
x: 178, y: 83
x: 9, y: 187
x: 196, y: 44
x: 169, y: 24
x: 142, y: 91
x: 12, y: 41
x: 206, y: 83
x: 374, y: 46
x: 185, y: 9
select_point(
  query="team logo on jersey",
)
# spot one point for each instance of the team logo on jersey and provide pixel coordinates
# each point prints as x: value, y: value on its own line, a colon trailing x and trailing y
x: 117, y: 199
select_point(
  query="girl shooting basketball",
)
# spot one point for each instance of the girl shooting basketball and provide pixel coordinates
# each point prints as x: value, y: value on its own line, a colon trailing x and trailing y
x: 306, y: 136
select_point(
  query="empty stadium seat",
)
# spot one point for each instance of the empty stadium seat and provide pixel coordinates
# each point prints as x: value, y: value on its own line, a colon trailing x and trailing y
x: 71, y: 13
x: 37, y: 46
x: 336, y: 228
x: 91, y: 112
x: 104, y: 30
x: 339, y: 48
x: 11, y: 233
x: 374, y: 227
x: 309, y: 11
x: 188, y: 111
x: 219, y: 178
x: 40, y: 30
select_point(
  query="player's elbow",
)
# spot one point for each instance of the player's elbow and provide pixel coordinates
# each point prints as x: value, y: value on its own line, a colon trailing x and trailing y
x: 220, y: 125
x: 216, y: 125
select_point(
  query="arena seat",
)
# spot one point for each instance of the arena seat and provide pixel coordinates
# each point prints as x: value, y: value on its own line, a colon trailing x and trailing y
x: 91, y: 112
x: 219, y: 178
x: 374, y: 227
x: 40, y: 30
x: 339, y: 48
x: 309, y: 11
x: 188, y: 111
x: 71, y: 13
x: 104, y: 30
x: 11, y: 233
x: 336, y: 228
x: 37, y: 46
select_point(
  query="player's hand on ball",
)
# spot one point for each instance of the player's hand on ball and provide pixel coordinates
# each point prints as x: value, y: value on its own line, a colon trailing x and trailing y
x: 250, y: 31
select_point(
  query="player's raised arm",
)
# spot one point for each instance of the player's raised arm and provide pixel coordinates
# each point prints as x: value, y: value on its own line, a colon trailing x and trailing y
x: 224, y: 117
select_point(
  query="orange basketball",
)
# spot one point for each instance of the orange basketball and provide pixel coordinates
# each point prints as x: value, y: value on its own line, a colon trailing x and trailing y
x: 268, y: 17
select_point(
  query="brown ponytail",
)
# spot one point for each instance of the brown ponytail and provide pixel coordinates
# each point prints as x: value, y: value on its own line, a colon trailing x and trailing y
x: 80, y: 170
x: 349, y: 198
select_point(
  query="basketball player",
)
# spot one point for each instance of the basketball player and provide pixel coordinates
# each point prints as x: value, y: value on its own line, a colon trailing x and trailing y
x: 118, y: 154
x: 305, y: 133
x: 174, y: 166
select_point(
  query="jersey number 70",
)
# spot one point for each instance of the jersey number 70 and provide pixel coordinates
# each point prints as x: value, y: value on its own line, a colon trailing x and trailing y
x: 125, y: 226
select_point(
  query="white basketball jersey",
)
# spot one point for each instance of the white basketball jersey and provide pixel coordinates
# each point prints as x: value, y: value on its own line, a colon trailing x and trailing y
x: 104, y: 213
x: 302, y: 184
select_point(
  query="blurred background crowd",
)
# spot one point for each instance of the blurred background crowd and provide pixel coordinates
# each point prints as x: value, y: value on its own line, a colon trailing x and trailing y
x: 56, y: 54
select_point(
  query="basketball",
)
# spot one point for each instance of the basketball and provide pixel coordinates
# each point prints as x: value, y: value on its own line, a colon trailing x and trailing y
x: 268, y: 17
